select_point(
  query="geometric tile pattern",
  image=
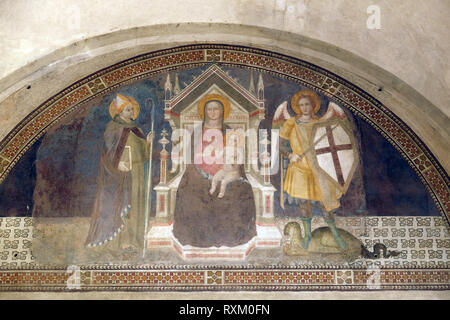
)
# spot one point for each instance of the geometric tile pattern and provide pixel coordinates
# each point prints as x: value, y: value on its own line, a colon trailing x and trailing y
x: 51, y: 278
x: 16, y: 235
x: 405, y: 277
x: 14, y: 145
x: 423, y: 264
x: 148, y: 278
x: 422, y: 241
x: 281, y: 277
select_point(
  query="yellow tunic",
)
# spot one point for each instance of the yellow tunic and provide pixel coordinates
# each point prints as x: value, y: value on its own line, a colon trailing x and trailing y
x: 303, y: 179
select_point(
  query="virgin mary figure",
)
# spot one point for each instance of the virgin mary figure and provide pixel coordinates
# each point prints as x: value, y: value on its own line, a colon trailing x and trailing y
x: 205, y: 217
x: 118, y: 213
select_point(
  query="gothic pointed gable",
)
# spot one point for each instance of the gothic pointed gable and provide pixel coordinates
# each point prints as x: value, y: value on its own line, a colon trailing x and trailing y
x: 215, y: 76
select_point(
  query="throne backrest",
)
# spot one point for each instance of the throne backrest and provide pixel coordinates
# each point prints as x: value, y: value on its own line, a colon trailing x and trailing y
x: 237, y: 119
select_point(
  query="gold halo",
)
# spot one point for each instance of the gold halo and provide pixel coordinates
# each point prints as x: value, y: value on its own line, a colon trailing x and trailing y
x: 302, y: 94
x: 218, y: 97
x: 114, y: 109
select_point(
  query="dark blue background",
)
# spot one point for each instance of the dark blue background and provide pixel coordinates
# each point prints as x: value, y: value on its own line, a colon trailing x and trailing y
x: 72, y: 151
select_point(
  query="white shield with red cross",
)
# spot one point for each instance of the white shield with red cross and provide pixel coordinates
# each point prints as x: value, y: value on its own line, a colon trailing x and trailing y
x: 336, y: 151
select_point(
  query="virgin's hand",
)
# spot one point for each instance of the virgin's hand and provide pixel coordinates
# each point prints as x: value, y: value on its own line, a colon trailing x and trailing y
x: 232, y: 175
x: 295, y: 158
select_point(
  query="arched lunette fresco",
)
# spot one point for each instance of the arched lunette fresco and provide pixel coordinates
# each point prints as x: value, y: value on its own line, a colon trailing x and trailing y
x: 15, y: 144
x: 422, y: 245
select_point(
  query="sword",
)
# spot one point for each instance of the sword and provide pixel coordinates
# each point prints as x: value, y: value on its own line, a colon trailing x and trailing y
x: 148, y: 195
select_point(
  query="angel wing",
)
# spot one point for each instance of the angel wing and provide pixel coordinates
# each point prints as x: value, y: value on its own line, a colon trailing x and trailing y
x: 334, y: 111
x: 281, y: 115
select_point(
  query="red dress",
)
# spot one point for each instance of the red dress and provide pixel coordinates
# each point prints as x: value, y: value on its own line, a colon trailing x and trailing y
x: 204, y: 220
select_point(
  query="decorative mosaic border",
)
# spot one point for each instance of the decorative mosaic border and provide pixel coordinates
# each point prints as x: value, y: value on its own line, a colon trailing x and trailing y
x: 436, y: 180
x: 225, y: 280
x: 175, y: 278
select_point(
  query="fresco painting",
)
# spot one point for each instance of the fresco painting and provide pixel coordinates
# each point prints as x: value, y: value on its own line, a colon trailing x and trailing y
x: 216, y: 165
